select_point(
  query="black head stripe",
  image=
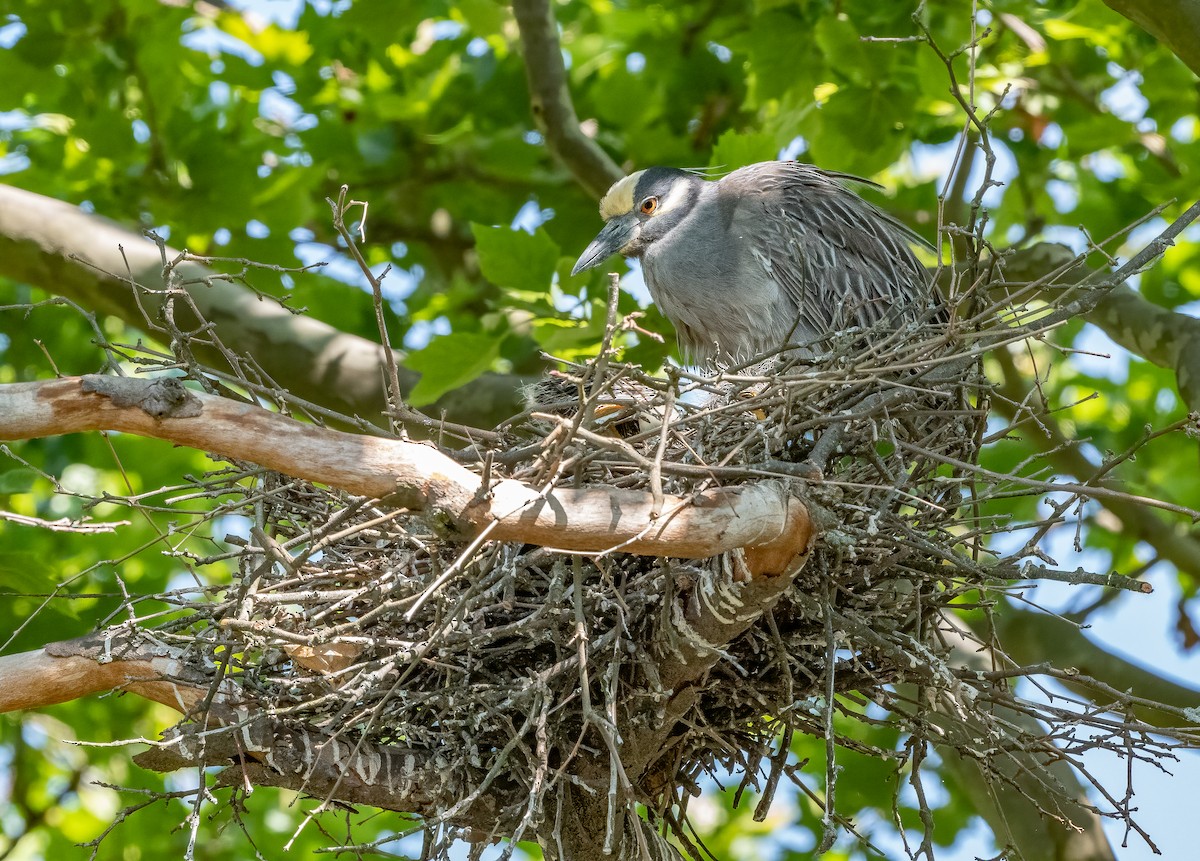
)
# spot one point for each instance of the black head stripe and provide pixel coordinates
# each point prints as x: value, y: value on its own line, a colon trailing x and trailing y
x: 656, y: 181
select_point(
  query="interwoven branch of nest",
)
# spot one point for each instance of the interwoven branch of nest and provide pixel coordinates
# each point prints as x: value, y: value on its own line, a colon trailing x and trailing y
x: 508, y: 671
x: 362, y: 622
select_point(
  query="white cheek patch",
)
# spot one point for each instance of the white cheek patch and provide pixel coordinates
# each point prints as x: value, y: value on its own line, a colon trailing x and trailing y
x: 619, y: 199
x: 675, y: 197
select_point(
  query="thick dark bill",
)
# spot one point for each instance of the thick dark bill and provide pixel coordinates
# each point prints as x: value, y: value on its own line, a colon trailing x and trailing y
x: 616, y: 235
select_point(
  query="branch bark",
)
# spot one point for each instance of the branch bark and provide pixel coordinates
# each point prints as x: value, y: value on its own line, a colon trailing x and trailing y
x: 763, y: 517
x: 1028, y: 638
x: 268, y: 752
x: 1159, y: 335
x: 264, y: 751
x: 90, y: 260
x: 61, y: 672
x: 550, y: 100
x: 1166, y: 338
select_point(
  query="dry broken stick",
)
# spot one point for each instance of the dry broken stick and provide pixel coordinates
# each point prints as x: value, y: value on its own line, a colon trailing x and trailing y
x: 765, y: 518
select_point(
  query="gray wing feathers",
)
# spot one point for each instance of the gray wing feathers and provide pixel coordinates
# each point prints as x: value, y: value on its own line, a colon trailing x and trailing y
x: 839, y: 260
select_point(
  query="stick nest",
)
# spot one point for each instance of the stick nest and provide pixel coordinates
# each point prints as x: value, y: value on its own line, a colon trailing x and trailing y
x: 511, y: 667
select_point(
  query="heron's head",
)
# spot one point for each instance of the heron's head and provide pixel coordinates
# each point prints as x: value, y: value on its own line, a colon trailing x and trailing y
x: 638, y: 210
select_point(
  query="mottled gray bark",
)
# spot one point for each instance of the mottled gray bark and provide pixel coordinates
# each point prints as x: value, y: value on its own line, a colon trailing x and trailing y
x: 550, y: 100
x: 61, y: 249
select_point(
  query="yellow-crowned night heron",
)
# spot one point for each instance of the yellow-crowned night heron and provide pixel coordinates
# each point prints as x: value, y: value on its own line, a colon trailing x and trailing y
x: 777, y: 253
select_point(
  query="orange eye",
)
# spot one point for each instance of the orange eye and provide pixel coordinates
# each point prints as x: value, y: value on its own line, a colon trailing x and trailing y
x: 649, y: 205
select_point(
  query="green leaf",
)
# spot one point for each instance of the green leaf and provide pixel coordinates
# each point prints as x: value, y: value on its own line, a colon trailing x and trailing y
x: 1062, y: 29
x: 860, y: 129
x: 449, y: 362
x: 839, y: 41
x: 738, y: 149
x: 782, y: 55
x: 22, y: 570
x: 17, y: 480
x: 514, y: 258
x: 483, y: 17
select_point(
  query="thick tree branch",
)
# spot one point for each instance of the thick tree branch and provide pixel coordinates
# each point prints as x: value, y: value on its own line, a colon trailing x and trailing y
x: 90, y: 260
x: 1172, y: 542
x: 267, y: 752
x: 714, y: 627
x: 1175, y: 23
x: 763, y: 517
x: 1028, y: 638
x: 1166, y: 338
x: 550, y: 100
x: 1163, y: 337
x: 1017, y: 816
x: 692, y: 648
x: 61, y: 672
x: 263, y: 751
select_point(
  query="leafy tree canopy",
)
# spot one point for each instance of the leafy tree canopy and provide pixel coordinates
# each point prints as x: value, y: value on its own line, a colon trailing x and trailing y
x: 227, y: 127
